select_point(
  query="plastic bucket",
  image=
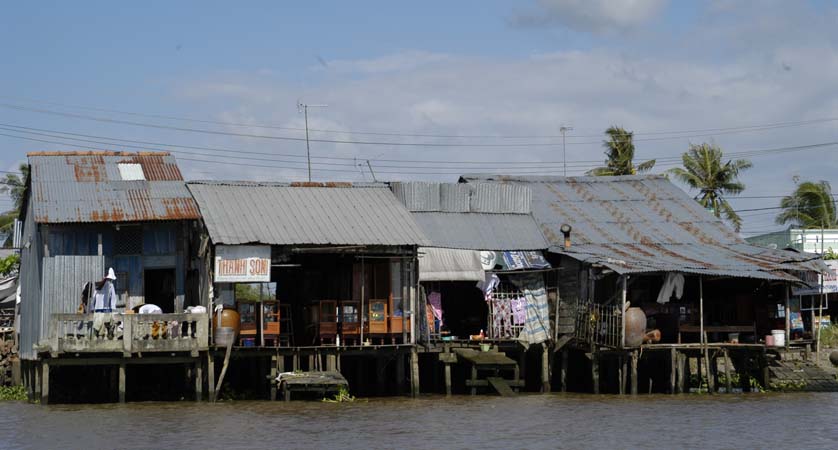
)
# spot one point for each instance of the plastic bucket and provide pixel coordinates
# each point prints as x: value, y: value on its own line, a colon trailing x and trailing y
x: 769, y: 340
x: 224, y: 335
x: 779, y: 337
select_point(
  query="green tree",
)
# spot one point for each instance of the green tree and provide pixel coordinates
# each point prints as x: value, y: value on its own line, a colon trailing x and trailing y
x: 703, y: 170
x: 619, y: 152
x: 15, y: 186
x: 811, y: 205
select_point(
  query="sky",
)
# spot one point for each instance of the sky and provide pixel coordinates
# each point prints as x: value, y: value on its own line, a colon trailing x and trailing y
x: 427, y: 90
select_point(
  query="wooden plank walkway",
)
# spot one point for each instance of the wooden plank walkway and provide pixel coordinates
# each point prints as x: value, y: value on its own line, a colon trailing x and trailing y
x: 501, y: 386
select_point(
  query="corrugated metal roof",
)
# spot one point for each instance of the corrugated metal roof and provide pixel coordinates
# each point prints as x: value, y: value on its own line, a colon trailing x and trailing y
x: 481, y: 231
x: 304, y: 214
x: 423, y: 196
x: 88, y: 187
x: 645, y: 224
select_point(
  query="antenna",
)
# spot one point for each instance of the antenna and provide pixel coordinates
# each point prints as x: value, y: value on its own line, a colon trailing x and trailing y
x: 303, y: 108
x: 373, y: 173
x: 564, y: 129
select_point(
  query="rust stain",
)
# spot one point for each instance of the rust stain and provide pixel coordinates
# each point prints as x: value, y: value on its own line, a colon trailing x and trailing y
x: 180, y: 208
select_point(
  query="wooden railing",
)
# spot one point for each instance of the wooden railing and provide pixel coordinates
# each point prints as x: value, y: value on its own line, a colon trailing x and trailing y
x: 599, y: 324
x: 128, y: 333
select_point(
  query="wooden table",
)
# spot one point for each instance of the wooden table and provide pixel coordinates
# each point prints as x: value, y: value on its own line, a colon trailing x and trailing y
x: 687, y: 328
x: 319, y: 382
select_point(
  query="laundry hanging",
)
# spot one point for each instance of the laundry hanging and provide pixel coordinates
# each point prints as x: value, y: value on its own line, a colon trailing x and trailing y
x: 673, y: 283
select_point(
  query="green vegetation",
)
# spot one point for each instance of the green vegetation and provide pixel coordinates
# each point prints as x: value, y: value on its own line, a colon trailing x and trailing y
x: 811, y: 205
x: 341, y: 397
x: 619, y: 152
x: 9, y: 264
x: 703, y: 170
x: 12, y: 393
x: 15, y: 186
x: 829, y: 336
x: 786, y: 385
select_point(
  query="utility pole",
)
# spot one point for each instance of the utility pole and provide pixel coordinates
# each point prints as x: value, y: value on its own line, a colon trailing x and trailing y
x: 303, y: 108
x: 563, y: 129
x: 371, y: 172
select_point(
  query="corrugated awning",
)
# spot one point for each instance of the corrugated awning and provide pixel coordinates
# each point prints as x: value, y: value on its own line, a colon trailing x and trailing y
x: 445, y: 264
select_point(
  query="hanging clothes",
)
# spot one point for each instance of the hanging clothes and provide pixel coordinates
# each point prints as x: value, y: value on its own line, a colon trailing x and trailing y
x: 519, y: 310
x: 673, y: 283
x: 488, y: 285
x: 501, y: 318
x: 537, y: 326
x: 435, y: 300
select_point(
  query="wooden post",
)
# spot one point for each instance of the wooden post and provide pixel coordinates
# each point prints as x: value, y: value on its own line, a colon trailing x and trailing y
x: 211, y: 376
x: 545, y: 368
x: 36, y: 369
x: 45, y: 383
x: 623, y: 278
x: 331, y: 363
x: 473, y: 379
x: 448, y: 379
x: 680, y: 375
x: 564, y: 369
x: 711, y: 382
x: 634, y: 372
x: 595, y: 369
x: 272, y: 378
x: 623, y: 372
x: 620, y: 374
x: 199, y: 379
x: 295, y: 363
x: 414, y: 372
x: 728, y: 382
x: 121, y: 384
x: 380, y: 380
x: 788, y: 312
x: 673, y: 369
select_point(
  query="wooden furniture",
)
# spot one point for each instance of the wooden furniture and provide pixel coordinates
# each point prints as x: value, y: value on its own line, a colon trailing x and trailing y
x: 396, y: 319
x: 328, y: 328
x: 286, y: 325
x: 249, y: 320
x: 378, y: 318
x: 350, y: 320
x: 494, y: 363
x: 270, y: 323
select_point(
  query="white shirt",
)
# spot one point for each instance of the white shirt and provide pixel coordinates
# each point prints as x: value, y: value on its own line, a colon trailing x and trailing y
x: 100, y: 294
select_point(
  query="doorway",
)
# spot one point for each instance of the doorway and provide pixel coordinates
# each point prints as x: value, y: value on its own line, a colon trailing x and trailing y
x: 160, y: 288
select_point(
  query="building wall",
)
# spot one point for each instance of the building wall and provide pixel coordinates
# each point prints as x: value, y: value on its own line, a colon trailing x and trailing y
x: 30, y: 284
x: 799, y: 239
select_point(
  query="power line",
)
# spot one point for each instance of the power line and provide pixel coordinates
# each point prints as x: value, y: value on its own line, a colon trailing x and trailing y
x: 332, y: 141
x: 719, y: 130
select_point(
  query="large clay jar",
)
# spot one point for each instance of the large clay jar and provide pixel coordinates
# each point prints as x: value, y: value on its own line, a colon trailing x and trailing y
x: 635, y: 326
x: 229, y: 318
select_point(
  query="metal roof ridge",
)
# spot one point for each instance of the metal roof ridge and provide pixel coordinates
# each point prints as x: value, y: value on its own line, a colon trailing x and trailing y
x: 310, y: 184
x: 95, y: 153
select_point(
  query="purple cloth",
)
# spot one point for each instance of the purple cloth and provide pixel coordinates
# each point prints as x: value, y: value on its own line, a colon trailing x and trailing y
x: 519, y: 310
x: 435, y: 300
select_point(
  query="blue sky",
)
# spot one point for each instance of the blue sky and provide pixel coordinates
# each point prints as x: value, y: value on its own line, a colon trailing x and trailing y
x: 485, y: 68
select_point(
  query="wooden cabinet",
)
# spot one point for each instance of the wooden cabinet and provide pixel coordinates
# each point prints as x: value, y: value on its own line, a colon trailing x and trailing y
x: 378, y: 317
x: 328, y: 325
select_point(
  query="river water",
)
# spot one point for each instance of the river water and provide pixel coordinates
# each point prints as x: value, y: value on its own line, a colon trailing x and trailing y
x: 781, y: 421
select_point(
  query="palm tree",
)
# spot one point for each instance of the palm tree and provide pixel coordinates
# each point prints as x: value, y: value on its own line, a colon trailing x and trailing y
x: 619, y: 149
x: 703, y: 170
x: 811, y: 205
x: 15, y: 185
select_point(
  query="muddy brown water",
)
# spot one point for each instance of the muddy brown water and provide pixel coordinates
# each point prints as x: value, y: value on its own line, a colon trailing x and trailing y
x: 780, y: 421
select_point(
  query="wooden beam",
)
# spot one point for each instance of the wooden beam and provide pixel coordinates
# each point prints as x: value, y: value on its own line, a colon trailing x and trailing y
x: 45, y: 383
x: 199, y: 380
x: 447, y: 379
x: 595, y: 369
x: 634, y: 372
x: 121, y: 383
x: 673, y: 369
x: 564, y: 370
x: 545, y: 368
x: 211, y: 376
x: 414, y: 373
x: 728, y: 382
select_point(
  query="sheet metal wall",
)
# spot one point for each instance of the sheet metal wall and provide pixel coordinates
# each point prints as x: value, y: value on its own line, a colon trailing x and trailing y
x: 30, y: 284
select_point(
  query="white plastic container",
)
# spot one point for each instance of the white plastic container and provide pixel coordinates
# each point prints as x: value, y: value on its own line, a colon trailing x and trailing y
x: 223, y: 336
x: 779, y: 338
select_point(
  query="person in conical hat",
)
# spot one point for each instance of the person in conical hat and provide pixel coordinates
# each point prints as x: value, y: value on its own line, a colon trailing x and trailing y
x: 105, y: 298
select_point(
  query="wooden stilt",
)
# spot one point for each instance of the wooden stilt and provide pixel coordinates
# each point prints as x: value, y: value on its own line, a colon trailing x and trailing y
x: 473, y: 379
x: 311, y: 362
x: 624, y: 369
x: 199, y: 380
x: 711, y: 386
x: 272, y: 378
x: 698, y: 372
x: 211, y: 376
x: 728, y: 381
x: 296, y: 361
x: 634, y: 372
x: 673, y: 369
x: 45, y: 383
x: 331, y: 363
x: 447, y: 379
x: 414, y: 372
x: 400, y: 375
x: 545, y: 368
x: 679, y: 372
x: 621, y: 370
x: 564, y: 370
x: 380, y: 379
x: 121, y: 382
x: 595, y: 370
x: 37, y: 371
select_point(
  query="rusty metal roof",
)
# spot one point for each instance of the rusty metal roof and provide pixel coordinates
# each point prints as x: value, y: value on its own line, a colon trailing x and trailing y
x: 635, y: 224
x: 108, y: 187
x: 304, y: 214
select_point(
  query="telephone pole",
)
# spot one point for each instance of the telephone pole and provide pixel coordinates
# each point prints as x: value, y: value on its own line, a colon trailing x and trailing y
x: 563, y: 129
x: 303, y: 108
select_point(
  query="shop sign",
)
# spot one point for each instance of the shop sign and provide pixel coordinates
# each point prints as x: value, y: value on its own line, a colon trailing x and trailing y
x: 242, y: 263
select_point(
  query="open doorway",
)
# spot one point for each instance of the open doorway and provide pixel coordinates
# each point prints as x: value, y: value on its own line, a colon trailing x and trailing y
x: 160, y: 288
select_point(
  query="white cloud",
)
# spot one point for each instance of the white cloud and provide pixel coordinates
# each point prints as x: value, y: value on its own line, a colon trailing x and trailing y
x: 396, y: 62
x: 597, y: 16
